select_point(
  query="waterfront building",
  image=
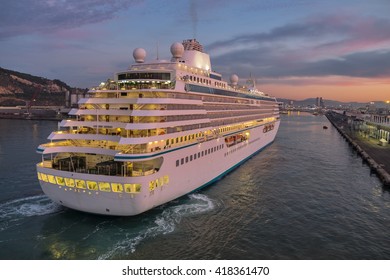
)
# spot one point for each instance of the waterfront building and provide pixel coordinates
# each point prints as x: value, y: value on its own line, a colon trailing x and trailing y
x: 379, y: 126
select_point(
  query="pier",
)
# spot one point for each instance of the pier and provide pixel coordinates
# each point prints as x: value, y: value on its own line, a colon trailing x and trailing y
x: 375, y: 155
x: 55, y: 113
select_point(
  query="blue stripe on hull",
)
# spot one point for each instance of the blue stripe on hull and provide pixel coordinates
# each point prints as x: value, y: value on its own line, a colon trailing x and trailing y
x: 231, y: 168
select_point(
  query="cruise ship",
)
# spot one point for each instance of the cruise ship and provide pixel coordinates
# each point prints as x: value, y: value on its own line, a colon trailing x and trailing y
x: 155, y: 132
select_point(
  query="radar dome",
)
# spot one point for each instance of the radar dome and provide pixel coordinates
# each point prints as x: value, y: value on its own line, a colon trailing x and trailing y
x: 234, y: 79
x: 177, y: 50
x: 139, y: 55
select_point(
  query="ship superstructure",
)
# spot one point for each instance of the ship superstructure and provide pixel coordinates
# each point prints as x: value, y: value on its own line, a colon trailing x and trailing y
x: 155, y: 132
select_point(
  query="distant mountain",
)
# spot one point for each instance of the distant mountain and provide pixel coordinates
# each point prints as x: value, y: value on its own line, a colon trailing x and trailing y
x: 18, y: 88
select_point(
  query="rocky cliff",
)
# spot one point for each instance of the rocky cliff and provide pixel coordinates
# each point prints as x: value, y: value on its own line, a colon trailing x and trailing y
x: 18, y: 88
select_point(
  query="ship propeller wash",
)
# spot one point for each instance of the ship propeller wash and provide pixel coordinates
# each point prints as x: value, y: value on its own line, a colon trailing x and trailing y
x: 155, y: 132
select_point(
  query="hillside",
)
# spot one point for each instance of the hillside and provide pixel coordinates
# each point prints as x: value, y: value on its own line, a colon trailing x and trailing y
x: 18, y: 88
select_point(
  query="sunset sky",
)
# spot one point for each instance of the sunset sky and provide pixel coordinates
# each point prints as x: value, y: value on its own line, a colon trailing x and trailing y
x: 335, y: 49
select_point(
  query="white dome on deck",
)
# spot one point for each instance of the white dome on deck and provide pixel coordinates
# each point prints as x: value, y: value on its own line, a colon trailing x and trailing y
x: 234, y: 79
x: 177, y: 50
x: 139, y: 55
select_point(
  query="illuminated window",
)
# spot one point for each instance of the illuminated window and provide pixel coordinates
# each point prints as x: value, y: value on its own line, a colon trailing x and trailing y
x: 80, y: 184
x: 39, y: 176
x: 116, y: 187
x: 104, y: 186
x: 161, y: 181
x: 152, y: 185
x: 128, y: 188
x: 91, y: 185
x: 166, y: 179
x: 60, y: 181
x: 132, y: 188
x: 51, y: 179
x: 69, y: 182
x: 44, y: 177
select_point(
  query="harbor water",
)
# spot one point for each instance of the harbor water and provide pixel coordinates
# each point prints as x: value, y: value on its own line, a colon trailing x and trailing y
x: 306, y: 196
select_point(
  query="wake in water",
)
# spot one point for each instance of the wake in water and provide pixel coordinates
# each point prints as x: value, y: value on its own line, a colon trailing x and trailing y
x: 164, y: 223
x: 17, y: 209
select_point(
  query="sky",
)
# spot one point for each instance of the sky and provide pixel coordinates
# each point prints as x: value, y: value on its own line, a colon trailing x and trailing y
x: 296, y: 49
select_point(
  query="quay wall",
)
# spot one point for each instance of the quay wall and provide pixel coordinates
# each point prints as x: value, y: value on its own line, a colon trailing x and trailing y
x: 340, y: 122
x: 35, y: 112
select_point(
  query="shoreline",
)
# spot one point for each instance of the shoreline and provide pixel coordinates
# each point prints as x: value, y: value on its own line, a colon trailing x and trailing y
x: 35, y: 118
x: 369, y: 153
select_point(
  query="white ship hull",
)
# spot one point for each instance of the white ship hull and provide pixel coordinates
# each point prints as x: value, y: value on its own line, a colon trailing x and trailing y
x: 185, y: 178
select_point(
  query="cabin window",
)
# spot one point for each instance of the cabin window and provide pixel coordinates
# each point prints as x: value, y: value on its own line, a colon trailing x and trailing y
x: 51, y: 179
x: 80, y: 184
x: 104, y: 186
x: 44, y: 177
x: 69, y: 182
x: 132, y: 188
x: 60, y: 181
x: 91, y: 185
x: 117, y: 187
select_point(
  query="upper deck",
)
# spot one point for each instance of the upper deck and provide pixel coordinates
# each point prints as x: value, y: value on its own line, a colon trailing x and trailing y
x: 189, y: 70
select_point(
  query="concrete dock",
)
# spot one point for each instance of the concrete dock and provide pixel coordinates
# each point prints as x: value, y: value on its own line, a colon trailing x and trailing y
x: 374, y: 154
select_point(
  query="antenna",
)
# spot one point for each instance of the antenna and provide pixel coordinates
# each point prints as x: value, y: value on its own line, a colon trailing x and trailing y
x: 251, y: 81
x: 194, y: 17
x: 157, y: 51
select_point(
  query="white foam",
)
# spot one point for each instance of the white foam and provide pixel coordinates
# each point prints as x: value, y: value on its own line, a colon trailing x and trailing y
x: 164, y: 223
x: 28, y: 206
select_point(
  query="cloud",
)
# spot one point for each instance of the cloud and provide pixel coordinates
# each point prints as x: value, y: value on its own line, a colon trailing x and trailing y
x: 25, y: 17
x: 362, y: 64
x: 326, y: 45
